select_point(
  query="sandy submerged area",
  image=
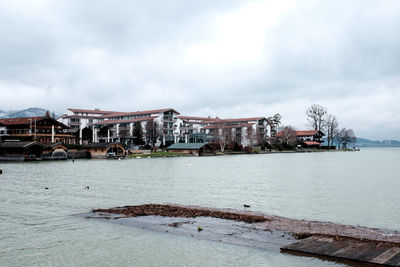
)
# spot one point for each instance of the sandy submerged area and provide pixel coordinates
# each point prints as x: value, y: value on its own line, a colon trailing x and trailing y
x: 298, y: 228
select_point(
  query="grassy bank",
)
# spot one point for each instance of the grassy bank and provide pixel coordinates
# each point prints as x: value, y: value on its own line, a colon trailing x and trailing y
x: 158, y: 154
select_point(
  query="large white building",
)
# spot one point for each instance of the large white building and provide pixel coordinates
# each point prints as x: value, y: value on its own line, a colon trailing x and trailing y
x: 245, y: 131
x: 190, y: 126
x: 81, y: 118
x: 121, y: 124
x: 169, y: 126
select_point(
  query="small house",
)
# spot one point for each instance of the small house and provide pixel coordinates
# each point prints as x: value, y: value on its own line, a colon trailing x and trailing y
x: 104, y: 150
x: 21, y: 150
x: 312, y: 135
x: 311, y: 144
x: 54, y: 151
x: 198, y: 149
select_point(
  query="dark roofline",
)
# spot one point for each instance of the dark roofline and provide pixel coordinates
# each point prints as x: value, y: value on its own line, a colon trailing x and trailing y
x: 25, y: 121
x: 121, y: 114
x: 101, y: 145
x: 23, y: 144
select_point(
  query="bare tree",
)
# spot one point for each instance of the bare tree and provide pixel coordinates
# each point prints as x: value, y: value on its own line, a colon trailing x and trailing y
x: 252, y: 136
x: 332, y: 129
x: 316, y: 117
x: 153, y: 132
x: 349, y: 137
x: 237, y: 137
x: 260, y: 136
x: 339, y: 138
x: 288, y: 136
x: 223, y: 137
x: 345, y: 137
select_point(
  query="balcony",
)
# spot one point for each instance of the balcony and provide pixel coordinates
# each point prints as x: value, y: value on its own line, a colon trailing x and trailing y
x: 187, y: 127
x: 167, y: 118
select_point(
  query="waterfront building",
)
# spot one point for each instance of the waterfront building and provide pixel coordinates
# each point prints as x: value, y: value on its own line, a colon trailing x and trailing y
x: 308, y: 138
x: 165, y: 126
x: 159, y: 126
x: 105, y: 150
x: 311, y: 135
x: 81, y: 118
x: 189, y: 129
x: 42, y: 129
x: 21, y: 150
x: 54, y: 151
x: 197, y: 149
x: 244, y: 131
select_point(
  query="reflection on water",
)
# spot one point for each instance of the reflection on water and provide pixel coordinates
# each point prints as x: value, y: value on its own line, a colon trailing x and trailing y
x: 36, y: 226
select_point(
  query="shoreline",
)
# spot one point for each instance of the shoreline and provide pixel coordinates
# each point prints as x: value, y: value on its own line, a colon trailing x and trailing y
x: 164, y: 154
x: 334, y: 242
x: 269, y: 222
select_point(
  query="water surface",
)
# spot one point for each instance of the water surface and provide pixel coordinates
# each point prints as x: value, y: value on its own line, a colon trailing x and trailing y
x: 36, y: 226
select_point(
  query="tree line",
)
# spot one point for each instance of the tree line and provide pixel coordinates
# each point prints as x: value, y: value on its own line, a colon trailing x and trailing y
x: 319, y: 119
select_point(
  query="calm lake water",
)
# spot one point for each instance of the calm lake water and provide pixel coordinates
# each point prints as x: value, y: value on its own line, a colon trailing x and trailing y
x: 36, y: 226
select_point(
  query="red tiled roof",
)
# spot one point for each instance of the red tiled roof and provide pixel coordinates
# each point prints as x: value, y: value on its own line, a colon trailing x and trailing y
x: 28, y: 120
x: 120, y: 114
x: 306, y: 133
x: 78, y: 116
x: 123, y: 121
x: 236, y: 120
x: 301, y: 133
x: 90, y: 111
x: 20, y: 121
x: 312, y: 143
x: 195, y: 118
x: 216, y: 126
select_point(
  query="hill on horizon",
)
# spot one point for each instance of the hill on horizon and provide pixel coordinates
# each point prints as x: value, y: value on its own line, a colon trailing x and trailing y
x: 29, y: 112
x: 364, y: 142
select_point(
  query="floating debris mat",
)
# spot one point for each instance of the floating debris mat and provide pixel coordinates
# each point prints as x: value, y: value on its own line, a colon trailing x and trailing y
x: 349, y: 249
x: 337, y: 242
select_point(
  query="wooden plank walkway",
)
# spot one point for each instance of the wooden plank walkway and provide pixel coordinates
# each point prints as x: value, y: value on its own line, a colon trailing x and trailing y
x: 348, y: 249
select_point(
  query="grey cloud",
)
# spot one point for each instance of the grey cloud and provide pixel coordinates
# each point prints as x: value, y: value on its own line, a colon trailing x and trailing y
x: 131, y: 55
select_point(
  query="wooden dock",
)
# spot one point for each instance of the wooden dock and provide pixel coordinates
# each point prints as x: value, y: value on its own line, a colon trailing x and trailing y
x: 348, y: 249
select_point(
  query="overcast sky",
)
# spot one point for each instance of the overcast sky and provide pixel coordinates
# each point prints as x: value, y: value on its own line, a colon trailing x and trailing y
x: 218, y: 58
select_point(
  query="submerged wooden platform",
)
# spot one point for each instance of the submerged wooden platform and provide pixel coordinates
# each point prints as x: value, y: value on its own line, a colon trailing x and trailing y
x: 348, y: 249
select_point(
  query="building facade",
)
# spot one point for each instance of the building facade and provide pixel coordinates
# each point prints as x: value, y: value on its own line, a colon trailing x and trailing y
x: 307, y: 138
x: 43, y: 129
x: 81, y: 118
x: 165, y: 126
x: 159, y: 126
x: 244, y: 131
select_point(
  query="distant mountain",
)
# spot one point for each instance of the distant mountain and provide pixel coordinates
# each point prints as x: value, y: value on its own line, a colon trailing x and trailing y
x: 29, y: 112
x: 363, y: 142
